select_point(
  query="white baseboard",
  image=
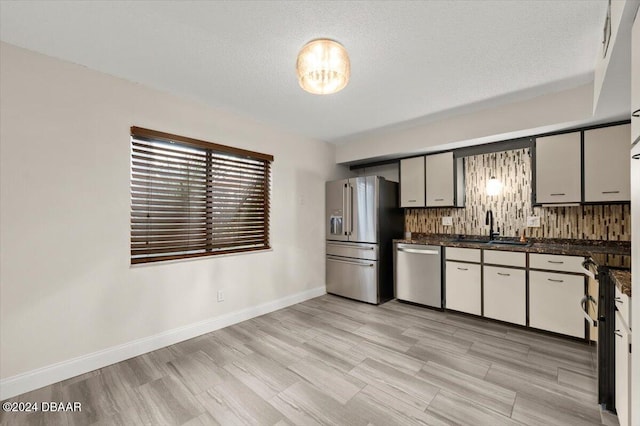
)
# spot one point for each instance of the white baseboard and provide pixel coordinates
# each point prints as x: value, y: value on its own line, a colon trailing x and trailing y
x: 44, y: 376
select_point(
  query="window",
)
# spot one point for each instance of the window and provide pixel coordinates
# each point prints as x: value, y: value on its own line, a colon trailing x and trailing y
x: 193, y: 198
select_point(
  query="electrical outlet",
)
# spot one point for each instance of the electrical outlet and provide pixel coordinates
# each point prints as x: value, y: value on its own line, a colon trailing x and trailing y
x: 447, y: 221
x: 533, y: 221
x: 220, y: 295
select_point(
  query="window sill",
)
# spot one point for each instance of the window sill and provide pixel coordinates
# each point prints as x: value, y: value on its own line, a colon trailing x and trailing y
x: 203, y: 256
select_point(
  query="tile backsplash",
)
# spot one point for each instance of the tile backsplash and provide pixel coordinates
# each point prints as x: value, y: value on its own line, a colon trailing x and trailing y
x: 512, y: 206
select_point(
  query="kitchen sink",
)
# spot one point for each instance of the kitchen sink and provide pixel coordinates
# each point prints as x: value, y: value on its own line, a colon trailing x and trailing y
x: 470, y: 240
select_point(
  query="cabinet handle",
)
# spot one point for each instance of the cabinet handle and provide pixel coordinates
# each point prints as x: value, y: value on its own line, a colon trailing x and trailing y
x: 636, y: 113
x: 439, y: 199
x: 619, y: 300
x: 610, y: 192
x: 411, y: 201
x: 463, y: 269
x: 504, y: 275
x: 617, y: 333
x: 557, y: 262
x: 559, y: 193
x: 555, y: 281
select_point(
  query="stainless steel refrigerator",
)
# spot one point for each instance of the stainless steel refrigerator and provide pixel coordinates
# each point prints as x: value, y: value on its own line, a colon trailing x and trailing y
x: 363, y: 218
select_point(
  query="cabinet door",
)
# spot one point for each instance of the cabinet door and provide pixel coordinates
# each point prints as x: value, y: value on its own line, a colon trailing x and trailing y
x: 622, y: 372
x: 606, y: 164
x: 635, y: 79
x: 439, y: 179
x: 463, y: 287
x: 556, y: 262
x: 554, y: 302
x: 558, y: 169
x: 412, y: 182
x: 505, y: 295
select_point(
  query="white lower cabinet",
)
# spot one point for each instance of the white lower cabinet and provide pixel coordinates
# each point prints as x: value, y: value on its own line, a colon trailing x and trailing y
x: 497, y: 279
x: 463, y: 287
x: 622, y: 371
x: 505, y: 294
x: 554, y: 302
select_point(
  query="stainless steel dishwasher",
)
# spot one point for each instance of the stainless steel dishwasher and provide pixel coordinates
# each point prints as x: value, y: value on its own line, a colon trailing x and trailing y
x: 419, y: 274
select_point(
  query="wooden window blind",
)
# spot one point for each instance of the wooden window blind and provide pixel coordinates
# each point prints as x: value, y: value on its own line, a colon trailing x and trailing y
x: 194, y: 198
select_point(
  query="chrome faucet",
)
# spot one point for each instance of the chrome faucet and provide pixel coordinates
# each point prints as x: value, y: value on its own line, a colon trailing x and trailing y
x: 489, y: 221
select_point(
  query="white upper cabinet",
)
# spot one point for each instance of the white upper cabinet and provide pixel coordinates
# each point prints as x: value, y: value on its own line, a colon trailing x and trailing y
x: 558, y: 169
x: 433, y: 181
x: 635, y: 79
x: 440, y: 180
x: 412, y: 182
x: 606, y: 164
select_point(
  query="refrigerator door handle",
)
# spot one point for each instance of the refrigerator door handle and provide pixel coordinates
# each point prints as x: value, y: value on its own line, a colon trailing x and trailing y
x: 350, y: 209
x: 345, y: 208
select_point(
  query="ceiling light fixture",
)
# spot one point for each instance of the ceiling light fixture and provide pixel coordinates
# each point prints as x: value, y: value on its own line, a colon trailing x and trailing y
x: 323, y: 67
x: 494, y: 186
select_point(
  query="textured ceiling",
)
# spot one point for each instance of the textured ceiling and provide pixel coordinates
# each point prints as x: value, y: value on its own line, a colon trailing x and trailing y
x: 408, y: 59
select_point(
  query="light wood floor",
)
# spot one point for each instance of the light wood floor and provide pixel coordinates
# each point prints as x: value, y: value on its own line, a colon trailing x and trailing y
x: 334, y: 361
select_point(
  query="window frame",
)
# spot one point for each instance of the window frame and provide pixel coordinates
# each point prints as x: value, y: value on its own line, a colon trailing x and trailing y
x: 210, y: 148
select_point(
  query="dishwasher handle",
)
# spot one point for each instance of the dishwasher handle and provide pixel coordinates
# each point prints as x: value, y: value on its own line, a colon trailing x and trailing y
x: 418, y: 251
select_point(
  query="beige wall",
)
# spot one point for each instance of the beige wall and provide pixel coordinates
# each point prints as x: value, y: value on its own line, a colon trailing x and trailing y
x: 390, y: 172
x: 537, y: 115
x: 66, y: 286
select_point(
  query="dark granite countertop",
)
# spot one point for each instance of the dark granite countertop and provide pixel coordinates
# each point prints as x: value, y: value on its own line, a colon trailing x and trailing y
x: 612, y: 254
x: 622, y: 278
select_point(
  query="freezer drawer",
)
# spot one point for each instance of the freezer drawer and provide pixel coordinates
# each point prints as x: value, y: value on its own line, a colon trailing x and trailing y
x: 357, y: 250
x: 353, y: 278
x: 419, y: 274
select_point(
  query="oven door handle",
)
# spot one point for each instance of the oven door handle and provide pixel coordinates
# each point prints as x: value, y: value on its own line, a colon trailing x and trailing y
x: 583, y: 302
x: 588, y: 262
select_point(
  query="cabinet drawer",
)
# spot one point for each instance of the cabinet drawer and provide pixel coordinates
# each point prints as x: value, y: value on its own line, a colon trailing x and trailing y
x: 505, y: 295
x: 462, y: 254
x: 623, y: 303
x: 353, y: 278
x: 556, y: 262
x: 463, y: 287
x: 554, y: 303
x: 506, y: 258
x: 357, y: 250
